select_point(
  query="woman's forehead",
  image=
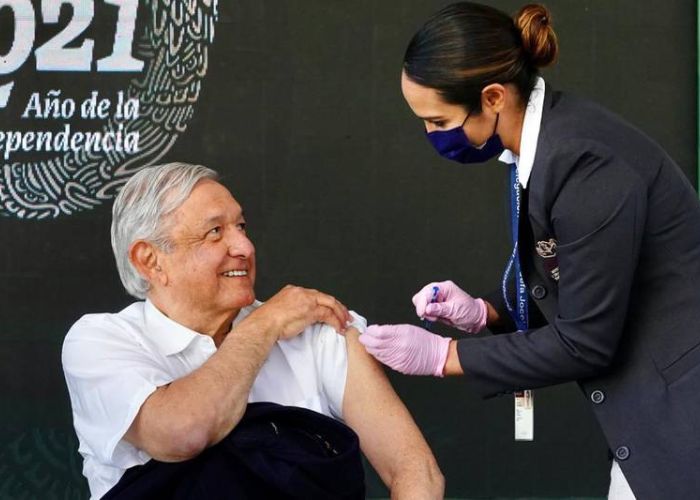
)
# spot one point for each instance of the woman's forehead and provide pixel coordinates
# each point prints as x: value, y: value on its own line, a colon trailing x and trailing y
x: 426, y: 102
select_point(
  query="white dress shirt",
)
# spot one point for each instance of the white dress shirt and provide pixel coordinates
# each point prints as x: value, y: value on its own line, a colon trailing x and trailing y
x: 113, y: 362
x: 529, y: 135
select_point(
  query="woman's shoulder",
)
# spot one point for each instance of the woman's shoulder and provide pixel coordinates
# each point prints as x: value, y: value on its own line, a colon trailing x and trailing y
x: 572, y: 119
x: 570, y: 116
x: 574, y: 127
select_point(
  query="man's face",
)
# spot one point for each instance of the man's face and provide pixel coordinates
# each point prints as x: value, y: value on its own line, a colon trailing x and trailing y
x: 211, y: 268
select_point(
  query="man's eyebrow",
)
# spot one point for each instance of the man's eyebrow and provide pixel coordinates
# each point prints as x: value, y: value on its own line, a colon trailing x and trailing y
x: 219, y: 219
x: 214, y: 219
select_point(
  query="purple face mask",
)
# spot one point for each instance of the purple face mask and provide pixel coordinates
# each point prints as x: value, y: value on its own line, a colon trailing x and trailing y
x: 454, y: 145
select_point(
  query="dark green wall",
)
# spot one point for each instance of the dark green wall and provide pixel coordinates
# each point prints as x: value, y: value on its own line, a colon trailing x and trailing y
x: 302, y: 113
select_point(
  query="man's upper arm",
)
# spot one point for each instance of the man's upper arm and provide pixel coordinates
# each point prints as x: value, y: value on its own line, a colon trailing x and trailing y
x: 388, y: 435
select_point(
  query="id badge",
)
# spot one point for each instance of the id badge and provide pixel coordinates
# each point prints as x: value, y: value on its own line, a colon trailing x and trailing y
x: 524, y: 416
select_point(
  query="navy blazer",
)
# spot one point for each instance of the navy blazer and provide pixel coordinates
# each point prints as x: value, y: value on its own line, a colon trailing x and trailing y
x: 274, y: 453
x: 610, y: 252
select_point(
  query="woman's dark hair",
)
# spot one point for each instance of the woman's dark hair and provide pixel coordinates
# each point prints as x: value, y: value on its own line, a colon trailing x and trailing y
x: 467, y: 46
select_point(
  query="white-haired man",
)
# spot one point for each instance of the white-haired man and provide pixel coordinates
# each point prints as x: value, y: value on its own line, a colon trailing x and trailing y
x: 171, y: 375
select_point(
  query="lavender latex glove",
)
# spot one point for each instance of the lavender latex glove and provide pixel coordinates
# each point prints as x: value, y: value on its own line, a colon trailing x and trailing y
x: 453, y: 306
x: 406, y: 348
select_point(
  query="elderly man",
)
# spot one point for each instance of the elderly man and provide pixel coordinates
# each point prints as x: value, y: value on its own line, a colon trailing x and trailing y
x: 171, y: 376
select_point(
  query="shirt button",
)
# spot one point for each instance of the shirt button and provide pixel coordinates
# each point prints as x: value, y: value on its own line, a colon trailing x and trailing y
x: 597, y: 397
x: 622, y: 453
x: 539, y: 292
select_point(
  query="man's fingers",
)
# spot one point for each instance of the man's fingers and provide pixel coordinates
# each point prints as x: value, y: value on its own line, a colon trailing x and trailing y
x: 308, y: 306
x: 339, y: 310
x: 328, y: 316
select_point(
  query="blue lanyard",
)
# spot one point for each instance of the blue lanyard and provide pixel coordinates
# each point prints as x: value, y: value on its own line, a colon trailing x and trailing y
x: 517, y: 311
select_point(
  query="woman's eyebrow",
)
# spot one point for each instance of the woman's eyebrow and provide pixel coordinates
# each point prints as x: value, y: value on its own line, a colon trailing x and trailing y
x: 431, y: 118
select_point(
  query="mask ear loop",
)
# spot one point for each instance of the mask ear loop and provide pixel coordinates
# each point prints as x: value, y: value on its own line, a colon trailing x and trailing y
x: 498, y: 115
x: 495, y: 126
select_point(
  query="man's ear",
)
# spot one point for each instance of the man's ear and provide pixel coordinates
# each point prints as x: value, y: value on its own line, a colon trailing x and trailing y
x: 144, y: 256
x: 493, y: 97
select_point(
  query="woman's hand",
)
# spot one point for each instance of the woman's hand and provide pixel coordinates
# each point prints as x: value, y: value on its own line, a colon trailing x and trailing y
x: 452, y: 306
x: 407, y: 348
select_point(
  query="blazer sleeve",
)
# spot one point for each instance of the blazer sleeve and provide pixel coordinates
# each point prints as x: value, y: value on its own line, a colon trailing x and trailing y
x: 505, y: 321
x: 506, y: 324
x: 598, y: 217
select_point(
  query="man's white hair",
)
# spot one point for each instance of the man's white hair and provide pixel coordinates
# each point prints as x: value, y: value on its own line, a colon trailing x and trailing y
x: 141, y: 210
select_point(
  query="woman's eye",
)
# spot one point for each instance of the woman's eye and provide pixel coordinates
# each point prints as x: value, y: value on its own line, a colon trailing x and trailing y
x: 439, y: 124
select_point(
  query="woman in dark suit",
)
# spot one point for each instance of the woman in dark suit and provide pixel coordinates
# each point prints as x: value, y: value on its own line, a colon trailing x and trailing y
x: 602, y: 284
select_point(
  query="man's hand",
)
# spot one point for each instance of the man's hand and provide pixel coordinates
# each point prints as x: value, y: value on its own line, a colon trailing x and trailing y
x: 453, y: 306
x: 294, y: 308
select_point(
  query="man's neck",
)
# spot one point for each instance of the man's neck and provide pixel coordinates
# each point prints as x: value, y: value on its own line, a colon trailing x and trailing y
x: 214, y: 324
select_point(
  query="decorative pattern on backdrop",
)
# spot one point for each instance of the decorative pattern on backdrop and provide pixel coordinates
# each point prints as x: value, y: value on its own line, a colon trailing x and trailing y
x: 74, y: 169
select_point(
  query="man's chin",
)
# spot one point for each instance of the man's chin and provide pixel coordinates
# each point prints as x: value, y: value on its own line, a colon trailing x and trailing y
x: 251, y: 299
x: 243, y: 299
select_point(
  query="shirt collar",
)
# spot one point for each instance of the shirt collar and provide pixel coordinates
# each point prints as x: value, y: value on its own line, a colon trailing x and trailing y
x: 171, y: 337
x: 529, y: 135
x: 168, y: 336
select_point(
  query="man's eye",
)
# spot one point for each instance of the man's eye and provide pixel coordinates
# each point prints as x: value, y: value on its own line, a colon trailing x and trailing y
x: 241, y: 226
x: 439, y: 124
x: 215, y: 230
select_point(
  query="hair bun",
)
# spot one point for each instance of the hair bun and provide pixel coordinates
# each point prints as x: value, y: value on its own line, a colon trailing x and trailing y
x: 534, y: 22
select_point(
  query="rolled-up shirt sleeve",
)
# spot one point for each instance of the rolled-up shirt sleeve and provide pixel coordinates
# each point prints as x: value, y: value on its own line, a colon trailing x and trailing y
x: 331, y: 359
x: 108, y: 377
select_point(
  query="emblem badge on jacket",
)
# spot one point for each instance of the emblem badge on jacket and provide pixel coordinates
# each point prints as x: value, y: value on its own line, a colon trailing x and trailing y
x: 547, y: 249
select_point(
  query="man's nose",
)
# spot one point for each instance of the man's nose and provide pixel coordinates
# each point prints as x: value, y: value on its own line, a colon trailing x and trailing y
x: 239, y: 245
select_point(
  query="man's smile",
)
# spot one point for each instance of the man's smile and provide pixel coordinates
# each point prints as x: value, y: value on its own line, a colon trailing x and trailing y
x: 235, y: 273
